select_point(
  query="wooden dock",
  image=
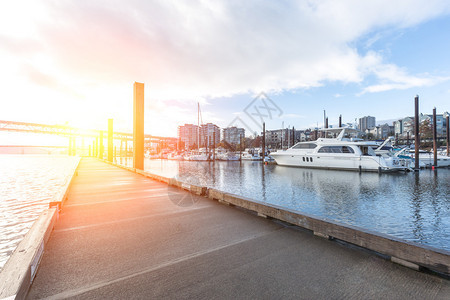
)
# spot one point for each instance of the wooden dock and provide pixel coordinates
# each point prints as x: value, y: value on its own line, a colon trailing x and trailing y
x: 121, y: 235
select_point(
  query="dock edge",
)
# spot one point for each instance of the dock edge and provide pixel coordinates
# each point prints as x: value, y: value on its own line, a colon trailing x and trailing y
x: 18, y: 273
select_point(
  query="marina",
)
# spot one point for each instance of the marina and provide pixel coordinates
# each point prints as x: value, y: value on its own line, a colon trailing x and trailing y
x: 266, y: 150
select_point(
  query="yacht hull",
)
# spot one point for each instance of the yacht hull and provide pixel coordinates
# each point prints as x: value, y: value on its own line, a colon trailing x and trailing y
x: 334, y: 162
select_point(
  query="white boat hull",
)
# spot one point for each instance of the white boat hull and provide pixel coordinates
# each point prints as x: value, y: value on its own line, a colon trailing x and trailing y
x: 335, y: 162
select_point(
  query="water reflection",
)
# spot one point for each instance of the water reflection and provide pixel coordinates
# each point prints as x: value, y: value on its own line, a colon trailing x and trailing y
x: 413, y: 206
x: 27, y: 184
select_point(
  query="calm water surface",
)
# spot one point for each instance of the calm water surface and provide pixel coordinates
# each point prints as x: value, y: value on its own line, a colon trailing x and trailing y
x: 412, y: 206
x: 27, y: 184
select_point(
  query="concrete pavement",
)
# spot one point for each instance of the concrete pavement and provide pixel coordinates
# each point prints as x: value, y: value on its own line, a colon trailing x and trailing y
x: 121, y: 236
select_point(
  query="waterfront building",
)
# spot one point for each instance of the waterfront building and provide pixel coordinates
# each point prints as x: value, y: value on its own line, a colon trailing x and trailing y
x: 441, y: 122
x: 365, y: 123
x: 274, y: 138
x: 398, y: 127
x: 232, y: 135
x: 188, y: 135
x: 207, y: 133
x: 403, y: 126
x: 278, y: 138
x: 381, y: 131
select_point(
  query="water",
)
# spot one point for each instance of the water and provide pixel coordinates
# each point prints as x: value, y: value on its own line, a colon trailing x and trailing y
x: 27, y: 184
x: 411, y: 206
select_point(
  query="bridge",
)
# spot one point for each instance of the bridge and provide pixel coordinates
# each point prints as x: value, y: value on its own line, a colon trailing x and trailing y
x: 73, y: 132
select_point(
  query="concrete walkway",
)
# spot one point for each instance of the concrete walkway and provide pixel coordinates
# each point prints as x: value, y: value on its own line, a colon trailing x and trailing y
x: 121, y: 236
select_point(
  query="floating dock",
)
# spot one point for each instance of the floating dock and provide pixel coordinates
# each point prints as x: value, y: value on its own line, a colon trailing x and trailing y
x: 121, y: 235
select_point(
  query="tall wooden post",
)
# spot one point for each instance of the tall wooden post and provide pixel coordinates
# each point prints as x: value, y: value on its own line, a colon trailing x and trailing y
x: 69, y: 151
x: 407, y: 138
x: 293, y: 136
x: 240, y: 147
x: 340, y: 121
x: 434, y: 138
x: 448, y: 137
x: 214, y: 146
x: 110, y: 140
x: 100, y: 148
x: 264, y: 142
x: 281, y: 135
x: 416, y: 133
x: 326, y: 122
x: 138, y: 125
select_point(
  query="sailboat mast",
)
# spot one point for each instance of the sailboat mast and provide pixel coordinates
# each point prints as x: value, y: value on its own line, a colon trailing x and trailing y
x: 198, y: 126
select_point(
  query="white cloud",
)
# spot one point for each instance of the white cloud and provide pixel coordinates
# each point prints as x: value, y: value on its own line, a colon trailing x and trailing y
x: 220, y: 48
x: 392, y: 77
x: 196, y: 50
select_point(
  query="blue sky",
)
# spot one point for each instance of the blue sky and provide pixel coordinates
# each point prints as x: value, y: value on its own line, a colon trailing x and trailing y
x: 75, y: 62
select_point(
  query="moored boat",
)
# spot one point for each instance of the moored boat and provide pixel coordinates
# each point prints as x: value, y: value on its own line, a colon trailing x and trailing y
x: 340, y: 153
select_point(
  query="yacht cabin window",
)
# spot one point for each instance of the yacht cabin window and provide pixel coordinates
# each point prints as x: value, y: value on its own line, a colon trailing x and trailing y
x: 304, y: 146
x: 336, y: 149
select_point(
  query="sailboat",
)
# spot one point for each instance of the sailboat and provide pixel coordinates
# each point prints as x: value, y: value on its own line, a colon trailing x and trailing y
x: 198, y: 155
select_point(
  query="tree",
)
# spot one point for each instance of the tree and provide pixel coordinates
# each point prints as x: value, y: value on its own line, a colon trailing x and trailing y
x: 425, y: 129
x: 257, y: 141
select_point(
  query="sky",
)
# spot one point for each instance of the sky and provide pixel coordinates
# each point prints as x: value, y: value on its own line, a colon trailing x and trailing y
x: 245, y: 62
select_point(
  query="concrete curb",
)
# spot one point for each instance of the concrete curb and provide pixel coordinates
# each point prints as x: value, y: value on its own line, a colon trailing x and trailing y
x: 413, y: 255
x: 18, y: 273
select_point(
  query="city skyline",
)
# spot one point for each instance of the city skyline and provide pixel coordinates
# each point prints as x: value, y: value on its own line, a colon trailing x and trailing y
x: 75, y: 63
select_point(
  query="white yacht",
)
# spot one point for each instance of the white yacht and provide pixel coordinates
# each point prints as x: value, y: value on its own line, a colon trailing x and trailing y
x: 228, y: 156
x: 251, y: 154
x: 199, y: 155
x: 426, y: 159
x: 341, y: 153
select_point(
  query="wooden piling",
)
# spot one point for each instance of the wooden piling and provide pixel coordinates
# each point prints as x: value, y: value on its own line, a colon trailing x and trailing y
x: 96, y: 147
x: 110, y: 140
x: 293, y: 136
x: 100, y: 149
x: 448, y: 137
x: 416, y: 133
x: 240, y: 147
x: 138, y: 126
x: 264, y: 142
x: 70, y: 147
x: 434, y: 139
x: 340, y: 121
